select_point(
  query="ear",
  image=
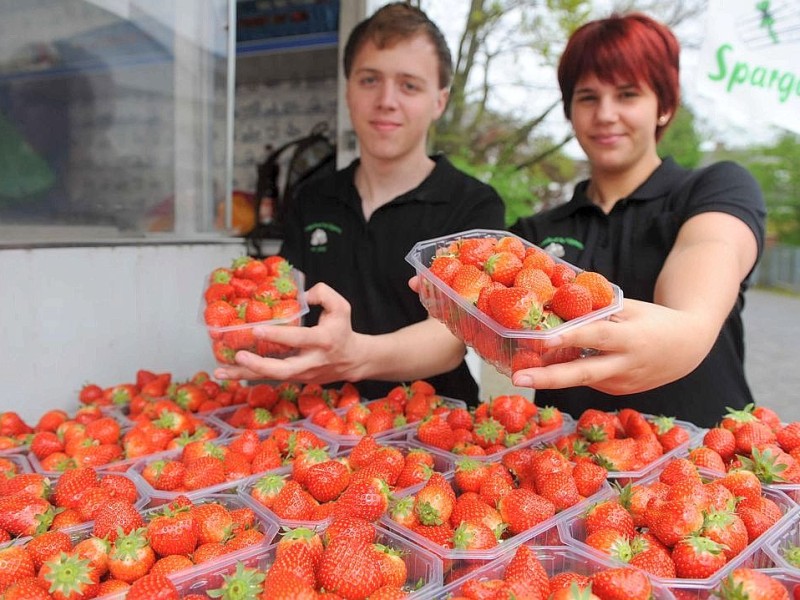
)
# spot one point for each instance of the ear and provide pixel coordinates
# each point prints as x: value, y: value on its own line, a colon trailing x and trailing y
x: 442, y: 97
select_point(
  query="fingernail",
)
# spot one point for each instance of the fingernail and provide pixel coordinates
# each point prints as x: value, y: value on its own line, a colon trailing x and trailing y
x: 522, y: 381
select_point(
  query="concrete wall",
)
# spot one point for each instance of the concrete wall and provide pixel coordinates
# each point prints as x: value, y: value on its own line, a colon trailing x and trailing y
x: 72, y: 315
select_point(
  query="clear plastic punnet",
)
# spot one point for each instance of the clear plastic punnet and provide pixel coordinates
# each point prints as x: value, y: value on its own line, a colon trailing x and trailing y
x: 496, y: 344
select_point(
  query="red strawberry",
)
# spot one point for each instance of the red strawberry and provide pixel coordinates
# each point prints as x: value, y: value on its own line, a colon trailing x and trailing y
x: 522, y: 509
x: 468, y: 282
x: 173, y: 532
x: 435, y: 431
x: 213, y: 522
x: 45, y: 545
x: 502, y: 267
x: 621, y: 583
x: 562, y: 274
x: 599, y: 287
x: 16, y: 564
x: 697, y: 557
x: 69, y: 577
x: 571, y: 301
x: 219, y: 314
x: 516, y: 308
x: 153, y: 587
x: 746, y: 582
x: 327, y: 480
x: 347, y: 568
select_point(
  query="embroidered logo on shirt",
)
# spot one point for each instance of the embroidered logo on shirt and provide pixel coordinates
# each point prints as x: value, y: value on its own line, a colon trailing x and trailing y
x: 555, y: 245
x: 318, y: 240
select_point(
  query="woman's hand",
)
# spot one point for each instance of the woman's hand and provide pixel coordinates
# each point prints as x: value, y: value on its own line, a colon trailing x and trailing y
x: 642, y: 347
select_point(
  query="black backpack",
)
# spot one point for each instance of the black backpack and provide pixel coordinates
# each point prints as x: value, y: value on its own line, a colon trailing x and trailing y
x: 279, y: 176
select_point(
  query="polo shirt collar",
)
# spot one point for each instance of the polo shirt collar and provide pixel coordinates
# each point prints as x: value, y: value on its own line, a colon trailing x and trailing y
x: 657, y: 185
x: 344, y: 187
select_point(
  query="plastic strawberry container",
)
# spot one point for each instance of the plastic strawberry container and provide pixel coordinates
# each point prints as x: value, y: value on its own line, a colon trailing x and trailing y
x: 263, y: 524
x: 688, y: 591
x: 123, y: 465
x: 220, y: 417
x: 159, y: 497
x: 572, y: 531
x: 457, y: 561
x: 441, y: 463
x: 18, y: 463
x: 554, y: 559
x: 395, y: 432
x: 622, y: 477
x: 538, y: 440
x: 226, y: 341
x: 782, y: 539
x: 424, y: 571
x: 496, y: 344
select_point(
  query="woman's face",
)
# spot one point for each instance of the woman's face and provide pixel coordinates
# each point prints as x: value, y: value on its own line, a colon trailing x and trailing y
x: 615, y: 124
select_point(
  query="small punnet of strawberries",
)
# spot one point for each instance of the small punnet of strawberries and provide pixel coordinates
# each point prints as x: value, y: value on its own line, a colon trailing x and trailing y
x: 520, y: 286
x: 251, y: 290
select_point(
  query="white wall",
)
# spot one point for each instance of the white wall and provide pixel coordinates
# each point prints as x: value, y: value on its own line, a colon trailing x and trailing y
x: 98, y: 314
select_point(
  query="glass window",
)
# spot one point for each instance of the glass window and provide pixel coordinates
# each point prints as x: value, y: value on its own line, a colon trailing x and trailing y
x: 114, y: 120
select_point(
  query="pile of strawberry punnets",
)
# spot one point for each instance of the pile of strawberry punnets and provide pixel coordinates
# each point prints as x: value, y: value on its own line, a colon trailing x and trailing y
x: 358, y: 484
x: 525, y: 576
x: 519, y: 286
x: 210, y: 463
x: 125, y: 545
x: 622, y: 441
x: 483, y: 504
x: 501, y: 423
x: 31, y: 504
x: 466, y: 485
x: 679, y: 524
x: 250, y: 291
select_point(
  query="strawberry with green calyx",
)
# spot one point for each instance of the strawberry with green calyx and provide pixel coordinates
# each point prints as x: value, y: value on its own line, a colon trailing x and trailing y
x: 697, y: 557
x: 516, y: 308
x: 391, y: 565
x: 69, y: 577
x: 243, y: 584
x: 473, y: 536
x: 153, y: 586
x: 735, y: 418
x: 172, y: 532
x: 765, y: 465
x: 131, y: 556
x: 746, y: 583
x: 266, y: 489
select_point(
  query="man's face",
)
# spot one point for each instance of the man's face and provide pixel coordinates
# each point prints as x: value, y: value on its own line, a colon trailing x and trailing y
x: 393, y: 96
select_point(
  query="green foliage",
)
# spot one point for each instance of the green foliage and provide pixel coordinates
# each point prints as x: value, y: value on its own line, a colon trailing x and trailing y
x: 777, y: 170
x: 681, y: 140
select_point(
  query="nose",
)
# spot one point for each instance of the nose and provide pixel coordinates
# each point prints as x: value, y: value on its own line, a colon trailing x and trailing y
x: 387, y: 96
x: 606, y: 109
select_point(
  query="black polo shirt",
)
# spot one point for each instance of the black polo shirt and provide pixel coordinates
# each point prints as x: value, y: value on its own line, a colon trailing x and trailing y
x: 329, y: 240
x: 629, y: 246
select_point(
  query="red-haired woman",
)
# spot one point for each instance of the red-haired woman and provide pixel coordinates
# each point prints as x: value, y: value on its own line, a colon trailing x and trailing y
x: 680, y: 243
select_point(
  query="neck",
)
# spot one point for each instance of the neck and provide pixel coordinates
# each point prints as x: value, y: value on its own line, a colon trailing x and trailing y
x: 607, y: 188
x: 379, y: 182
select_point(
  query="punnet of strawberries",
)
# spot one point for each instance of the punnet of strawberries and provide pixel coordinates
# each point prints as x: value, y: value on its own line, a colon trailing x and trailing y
x: 359, y: 482
x: 504, y: 296
x: 680, y: 522
x: 754, y: 438
x: 251, y: 292
x: 626, y: 442
x: 402, y: 407
x: 504, y: 422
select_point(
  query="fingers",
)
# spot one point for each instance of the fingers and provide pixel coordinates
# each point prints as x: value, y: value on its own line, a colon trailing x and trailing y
x: 576, y: 373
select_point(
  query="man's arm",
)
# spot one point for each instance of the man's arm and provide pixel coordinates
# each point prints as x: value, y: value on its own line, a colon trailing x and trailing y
x: 332, y: 351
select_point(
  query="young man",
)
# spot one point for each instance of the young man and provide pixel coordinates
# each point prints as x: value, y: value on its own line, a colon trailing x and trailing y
x: 350, y: 233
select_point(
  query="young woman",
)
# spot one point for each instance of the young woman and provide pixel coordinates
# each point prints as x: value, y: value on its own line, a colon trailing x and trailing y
x: 349, y: 233
x: 681, y: 244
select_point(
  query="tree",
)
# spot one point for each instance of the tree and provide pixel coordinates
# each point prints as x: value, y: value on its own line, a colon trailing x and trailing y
x: 777, y: 170
x: 681, y: 140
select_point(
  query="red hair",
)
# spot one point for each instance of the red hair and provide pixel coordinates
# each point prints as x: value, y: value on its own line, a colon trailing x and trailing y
x: 619, y: 49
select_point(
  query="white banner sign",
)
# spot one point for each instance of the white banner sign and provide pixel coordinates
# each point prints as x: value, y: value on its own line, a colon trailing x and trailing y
x: 750, y: 60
